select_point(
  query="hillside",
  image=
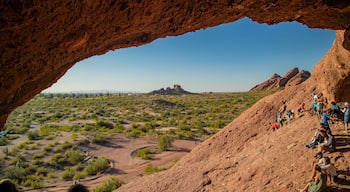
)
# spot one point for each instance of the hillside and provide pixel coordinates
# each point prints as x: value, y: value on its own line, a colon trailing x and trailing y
x: 247, y: 156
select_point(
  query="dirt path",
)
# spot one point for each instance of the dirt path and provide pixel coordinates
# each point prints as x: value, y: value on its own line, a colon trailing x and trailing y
x: 125, y: 167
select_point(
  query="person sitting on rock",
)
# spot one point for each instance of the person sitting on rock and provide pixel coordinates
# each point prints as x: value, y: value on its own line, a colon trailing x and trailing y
x: 318, y: 159
x: 330, y: 169
x: 318, y: 181
x: 319, y: 137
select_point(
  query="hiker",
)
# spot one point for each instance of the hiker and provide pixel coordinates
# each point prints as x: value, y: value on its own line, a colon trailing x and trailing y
x: 325, y: 118
x: 319, y: 137
x: 315, y: 97
x: 274, y: 126
x: 289, y: 115
x: 331, y: 171
x: 346, y: 111
x: 318, y: 181
x: 319, y: 109
x: 301, y: 108
x: 326, y: 128
x: 78, y: 188
x: 314, y: 107
x: 283, y: 108
x: 8, y: 186
x: 335, y: 109
x: 280, y: 119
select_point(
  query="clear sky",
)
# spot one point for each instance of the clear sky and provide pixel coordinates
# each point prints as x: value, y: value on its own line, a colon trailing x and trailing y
x: 226, y: 58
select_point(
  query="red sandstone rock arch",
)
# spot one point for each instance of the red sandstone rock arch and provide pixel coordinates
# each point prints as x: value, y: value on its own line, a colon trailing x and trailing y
x: 40, y: 40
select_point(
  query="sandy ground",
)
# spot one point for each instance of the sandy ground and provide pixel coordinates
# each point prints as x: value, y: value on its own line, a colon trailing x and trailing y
x: 124, y: 166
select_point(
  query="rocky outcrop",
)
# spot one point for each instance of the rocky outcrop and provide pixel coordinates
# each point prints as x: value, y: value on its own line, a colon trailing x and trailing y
x: 176, y: 90
x: 40, y: 40
x: 292, y: 77
x: 298, y: 78
x: 272, y: 82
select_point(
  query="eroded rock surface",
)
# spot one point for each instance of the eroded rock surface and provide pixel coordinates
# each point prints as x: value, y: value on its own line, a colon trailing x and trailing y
x: 292, y: 77
x: 40, y: 40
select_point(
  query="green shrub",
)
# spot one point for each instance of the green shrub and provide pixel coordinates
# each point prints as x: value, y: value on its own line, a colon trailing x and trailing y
x: 33, y: 135
x: 51, y: 175
x: 150, y: 169
x: 42, y: 171
x: 37, y: 162
x: 79, y: 175
x: 100, y: 138
x: 144, y: 153
x: 17, y: 174
x: 99, y: 165
x: 74, y: 156
x: 109, y: 186
x: 68, y: 173
x: 3, y: 141
x: 32, y: 181
x: 164, y: 142
x: 57, y: 160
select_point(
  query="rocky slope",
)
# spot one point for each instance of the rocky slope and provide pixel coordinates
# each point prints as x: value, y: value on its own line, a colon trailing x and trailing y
x: 248, y: 156
x: 292, y: 77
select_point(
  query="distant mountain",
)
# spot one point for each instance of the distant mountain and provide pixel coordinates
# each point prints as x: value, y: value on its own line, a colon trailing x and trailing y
x: 176, y: 90
x: 292, y: 77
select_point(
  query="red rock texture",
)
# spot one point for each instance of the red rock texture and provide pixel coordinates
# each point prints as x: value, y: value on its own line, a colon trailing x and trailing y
x: 40, y: 40
x: 292, y: 77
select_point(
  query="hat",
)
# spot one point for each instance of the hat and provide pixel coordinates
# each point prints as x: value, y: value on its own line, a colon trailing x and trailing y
x: 318, y: 153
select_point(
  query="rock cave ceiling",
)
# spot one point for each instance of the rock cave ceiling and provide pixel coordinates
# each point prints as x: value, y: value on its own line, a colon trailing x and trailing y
x: 40, y: 40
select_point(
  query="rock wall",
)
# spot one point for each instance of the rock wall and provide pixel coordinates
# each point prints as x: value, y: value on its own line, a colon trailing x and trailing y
x: 40, y: 40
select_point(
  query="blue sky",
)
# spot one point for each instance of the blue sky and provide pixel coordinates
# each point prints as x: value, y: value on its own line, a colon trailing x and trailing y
x: 226, y: 58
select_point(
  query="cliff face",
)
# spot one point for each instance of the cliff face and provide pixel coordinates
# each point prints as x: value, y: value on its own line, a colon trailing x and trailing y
x: 40, y: 40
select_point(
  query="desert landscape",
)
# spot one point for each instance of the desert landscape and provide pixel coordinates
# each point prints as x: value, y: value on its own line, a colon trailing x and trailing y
x: 42, y: 40
x: 48, y: 146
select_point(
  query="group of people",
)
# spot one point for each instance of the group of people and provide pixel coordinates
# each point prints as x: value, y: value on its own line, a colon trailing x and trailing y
x: 283, y: 118
x: 323, y: 140
x: 6, y: 185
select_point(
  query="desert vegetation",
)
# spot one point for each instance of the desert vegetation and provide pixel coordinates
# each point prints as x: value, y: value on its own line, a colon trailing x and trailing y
x: 47, y: 139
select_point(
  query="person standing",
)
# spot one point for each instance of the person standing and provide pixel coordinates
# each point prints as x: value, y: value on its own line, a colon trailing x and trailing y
x: 346, y: 111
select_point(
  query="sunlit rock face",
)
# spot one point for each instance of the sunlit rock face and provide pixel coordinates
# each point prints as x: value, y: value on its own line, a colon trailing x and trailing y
x: 40, y: 40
